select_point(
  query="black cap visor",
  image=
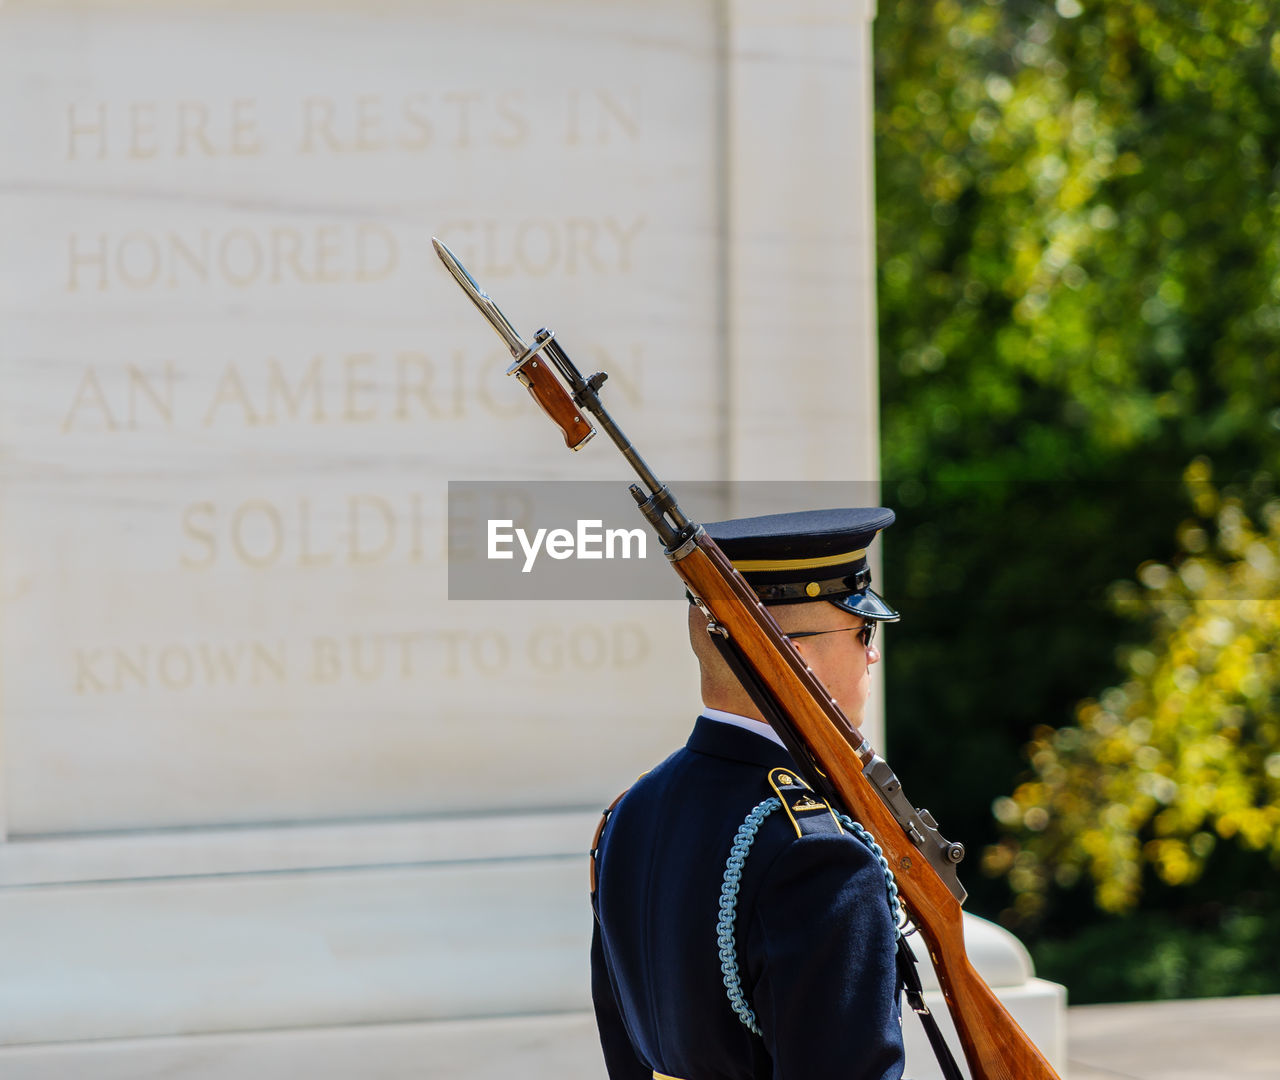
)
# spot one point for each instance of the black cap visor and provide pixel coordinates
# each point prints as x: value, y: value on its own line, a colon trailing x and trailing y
x: 869, y: 605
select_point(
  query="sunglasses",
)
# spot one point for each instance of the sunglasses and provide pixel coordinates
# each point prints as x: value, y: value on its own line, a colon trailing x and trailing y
x: 866, y: 633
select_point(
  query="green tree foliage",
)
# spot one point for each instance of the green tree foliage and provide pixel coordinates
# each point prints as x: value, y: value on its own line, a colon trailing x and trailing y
x: 1182, y: 754
x: 1160, y: 955
x: 1078, y: 227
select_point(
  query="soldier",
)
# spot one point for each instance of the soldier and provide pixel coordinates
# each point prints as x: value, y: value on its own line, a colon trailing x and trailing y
x: 742, y: 931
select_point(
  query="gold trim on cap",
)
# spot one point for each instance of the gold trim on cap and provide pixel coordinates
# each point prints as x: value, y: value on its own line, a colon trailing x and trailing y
x: 762, y: 565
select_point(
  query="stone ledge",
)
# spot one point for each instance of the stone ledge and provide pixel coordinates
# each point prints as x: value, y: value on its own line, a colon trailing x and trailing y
x: 560, y: 1046
x: 171, y: 853
x: 192, y: 956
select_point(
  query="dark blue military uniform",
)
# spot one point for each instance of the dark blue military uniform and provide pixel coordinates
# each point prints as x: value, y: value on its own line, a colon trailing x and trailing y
x: 815, y: 937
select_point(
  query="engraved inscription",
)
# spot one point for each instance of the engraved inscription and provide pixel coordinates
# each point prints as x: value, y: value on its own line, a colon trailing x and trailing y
x: 178, y: 666
x: 145, y: 259
x: 370, y: 123
x: 537, y: 247
x: 363, y: 253
x: 145, y: 130
x: 259, y: 534
x: 598, y: 117
x: 358, y: 388
x: 357, y: 659
x: 142, y: 396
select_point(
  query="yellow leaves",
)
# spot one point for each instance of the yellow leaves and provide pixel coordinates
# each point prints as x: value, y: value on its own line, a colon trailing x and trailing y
x: 1202, y: 844
x: 1258, y: 825
x: 1185, y: 752
x: 1198, y: 477
x: 1261, y: 559
x: 1154, y: 575
x: 1255, y: 826
x: 1147, y: 758
x: 1140, y: 728
x: 1172, y: 860
x: 1028, y: 905
x: 1093, y: 843
x: 1233, y: 669
x: 1031, y: 794
x: 1205, y: 500
x: 1036, y: 819
x: 997, y: 860
x: 1116, y: 816
x: 1116, y: 895
x: 1007, y: 812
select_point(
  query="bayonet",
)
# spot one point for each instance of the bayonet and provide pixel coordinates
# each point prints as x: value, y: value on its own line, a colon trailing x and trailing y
x: 527, y: 366
x: 482, y: 300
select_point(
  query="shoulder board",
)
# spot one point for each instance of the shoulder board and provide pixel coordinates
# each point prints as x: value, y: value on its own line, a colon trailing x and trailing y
x: 810, y: 815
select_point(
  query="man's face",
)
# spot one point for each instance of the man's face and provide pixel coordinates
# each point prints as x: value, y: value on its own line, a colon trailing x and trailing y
x: 839, y: 660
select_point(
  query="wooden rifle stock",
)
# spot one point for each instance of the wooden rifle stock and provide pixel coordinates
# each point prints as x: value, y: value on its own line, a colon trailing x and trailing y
x: 995, y: 1047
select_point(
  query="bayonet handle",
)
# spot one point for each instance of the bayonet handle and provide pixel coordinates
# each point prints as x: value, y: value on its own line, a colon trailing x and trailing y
x: 555, y: 401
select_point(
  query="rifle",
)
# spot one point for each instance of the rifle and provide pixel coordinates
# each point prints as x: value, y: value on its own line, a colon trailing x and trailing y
x: 834, y: 757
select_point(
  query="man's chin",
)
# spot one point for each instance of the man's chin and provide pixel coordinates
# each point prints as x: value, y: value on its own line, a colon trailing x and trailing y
x: 856, y: 720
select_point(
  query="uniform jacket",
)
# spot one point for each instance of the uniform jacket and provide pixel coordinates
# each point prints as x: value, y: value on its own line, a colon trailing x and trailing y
x: 815, y: 938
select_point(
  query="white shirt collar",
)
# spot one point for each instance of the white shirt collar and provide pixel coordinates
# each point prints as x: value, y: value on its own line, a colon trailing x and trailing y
x: 745, y: 722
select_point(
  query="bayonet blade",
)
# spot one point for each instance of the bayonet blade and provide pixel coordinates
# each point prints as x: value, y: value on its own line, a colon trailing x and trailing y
x: 482, y: 300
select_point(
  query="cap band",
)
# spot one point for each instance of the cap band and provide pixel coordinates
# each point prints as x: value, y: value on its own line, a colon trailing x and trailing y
x: 758, y: 566
x: 815, y: 590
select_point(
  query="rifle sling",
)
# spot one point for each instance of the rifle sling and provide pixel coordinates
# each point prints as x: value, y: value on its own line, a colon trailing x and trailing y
x: 915, y: 998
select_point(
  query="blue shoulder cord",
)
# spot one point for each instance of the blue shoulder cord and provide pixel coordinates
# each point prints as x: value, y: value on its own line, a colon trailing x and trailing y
x: 742, y: 842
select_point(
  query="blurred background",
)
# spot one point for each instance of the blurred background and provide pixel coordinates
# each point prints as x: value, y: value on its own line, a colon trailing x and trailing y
x: 1079, y: 309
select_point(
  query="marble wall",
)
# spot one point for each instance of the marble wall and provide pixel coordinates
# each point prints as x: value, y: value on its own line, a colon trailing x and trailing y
x: 239, y: 384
